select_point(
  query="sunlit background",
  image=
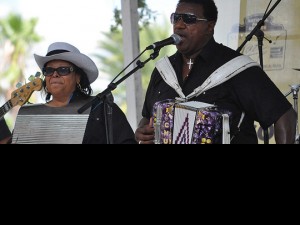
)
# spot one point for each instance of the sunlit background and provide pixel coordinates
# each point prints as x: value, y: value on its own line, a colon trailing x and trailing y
x: 86, y: 24
x: 80, y: 23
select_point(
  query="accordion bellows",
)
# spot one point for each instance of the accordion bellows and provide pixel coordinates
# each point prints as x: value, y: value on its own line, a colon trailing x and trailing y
x: 188, y: 123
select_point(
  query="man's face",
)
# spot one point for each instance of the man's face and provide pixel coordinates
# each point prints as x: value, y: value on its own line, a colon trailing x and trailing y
x: 194, y: 36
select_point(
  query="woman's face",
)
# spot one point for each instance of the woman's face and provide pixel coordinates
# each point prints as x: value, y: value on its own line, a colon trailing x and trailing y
x: 58, y: 85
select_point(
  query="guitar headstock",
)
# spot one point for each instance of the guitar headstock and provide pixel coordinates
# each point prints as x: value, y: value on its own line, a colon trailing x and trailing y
x: 23, y: 93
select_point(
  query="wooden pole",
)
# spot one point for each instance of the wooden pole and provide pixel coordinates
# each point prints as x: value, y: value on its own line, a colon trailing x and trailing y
x: 134, y: 89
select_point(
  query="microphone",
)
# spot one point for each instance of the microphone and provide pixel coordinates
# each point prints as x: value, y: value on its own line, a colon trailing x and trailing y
x: 173, y: 40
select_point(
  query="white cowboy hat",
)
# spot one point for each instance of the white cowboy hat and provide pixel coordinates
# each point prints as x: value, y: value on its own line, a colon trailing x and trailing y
x: 66, y: 52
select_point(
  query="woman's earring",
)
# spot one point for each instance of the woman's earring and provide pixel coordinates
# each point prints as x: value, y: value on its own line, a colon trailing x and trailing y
x: 79, y: 86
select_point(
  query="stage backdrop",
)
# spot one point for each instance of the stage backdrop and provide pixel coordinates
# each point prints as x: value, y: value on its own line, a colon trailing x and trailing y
x: 281, y: 56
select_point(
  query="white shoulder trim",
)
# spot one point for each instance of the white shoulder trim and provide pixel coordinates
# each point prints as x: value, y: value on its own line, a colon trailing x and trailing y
x: 221, y: 75
x: 225, y: 73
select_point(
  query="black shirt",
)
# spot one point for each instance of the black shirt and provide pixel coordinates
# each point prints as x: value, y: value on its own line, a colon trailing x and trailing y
x: 4, y: 131
x: 252, y: 91
x: 96, y: 128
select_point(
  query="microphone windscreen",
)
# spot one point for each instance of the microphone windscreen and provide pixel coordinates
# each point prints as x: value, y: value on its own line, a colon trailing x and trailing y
x: 177, y: 39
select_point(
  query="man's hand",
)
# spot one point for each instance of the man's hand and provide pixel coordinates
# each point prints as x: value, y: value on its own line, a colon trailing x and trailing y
x: 145, y: 133
x: 285, y: 128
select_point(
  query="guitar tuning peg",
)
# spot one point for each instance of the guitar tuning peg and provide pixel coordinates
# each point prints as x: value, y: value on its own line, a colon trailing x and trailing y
x: 31, y: 78
x: 19, y: 85
x: 38, y: 74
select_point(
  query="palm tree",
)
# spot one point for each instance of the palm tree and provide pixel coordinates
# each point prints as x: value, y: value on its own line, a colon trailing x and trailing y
x: 146, y: 15
x: 16, y: 37
x: 111, y: 55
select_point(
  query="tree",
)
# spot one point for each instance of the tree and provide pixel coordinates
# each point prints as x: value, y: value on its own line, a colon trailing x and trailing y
x: 16, y: 35
x: 146, y: 15
x: 16, y: 38
x: 111, y: 55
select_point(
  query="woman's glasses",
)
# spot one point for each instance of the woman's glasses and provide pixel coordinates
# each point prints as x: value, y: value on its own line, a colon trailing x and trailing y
x: 62, y: 71
x: 187, y: 18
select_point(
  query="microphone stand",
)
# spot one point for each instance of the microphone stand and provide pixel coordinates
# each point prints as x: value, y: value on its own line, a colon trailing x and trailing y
x: 107, y: 98
x: 295, y: 90
x: 258, y: 26
x: 260, y: 37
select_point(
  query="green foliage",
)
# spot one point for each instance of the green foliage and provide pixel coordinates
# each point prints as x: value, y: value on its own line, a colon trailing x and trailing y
x: 16, y: 38
x: 18, y: 30
x: 146, y: 16
x: 111, y: 55
x: 21, y: 35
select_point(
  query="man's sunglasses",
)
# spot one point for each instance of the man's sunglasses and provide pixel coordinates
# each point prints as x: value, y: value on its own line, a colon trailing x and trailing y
x: 62, y: 71
x: 187, y: 18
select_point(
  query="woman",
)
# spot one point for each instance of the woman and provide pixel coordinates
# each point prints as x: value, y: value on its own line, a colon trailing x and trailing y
x: 68, y: 78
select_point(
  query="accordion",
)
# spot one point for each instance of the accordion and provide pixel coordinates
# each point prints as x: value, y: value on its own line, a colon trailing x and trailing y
x: 190, y: 123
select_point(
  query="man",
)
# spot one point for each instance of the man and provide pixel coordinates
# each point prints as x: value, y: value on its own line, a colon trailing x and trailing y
x: 250, y: 93
x: 5, y: 134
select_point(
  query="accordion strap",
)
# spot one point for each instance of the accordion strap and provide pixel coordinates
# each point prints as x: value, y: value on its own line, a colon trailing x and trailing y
x: 224, y: 73
x: 226, y: 129
x: 220, y: 76
x: 168, y: 73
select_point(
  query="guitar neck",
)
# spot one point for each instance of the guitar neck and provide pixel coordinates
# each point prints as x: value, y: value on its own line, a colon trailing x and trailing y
x: 5, y: 108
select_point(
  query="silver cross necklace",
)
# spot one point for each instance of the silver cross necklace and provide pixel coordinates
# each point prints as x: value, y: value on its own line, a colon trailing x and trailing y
x: 190, y: 63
